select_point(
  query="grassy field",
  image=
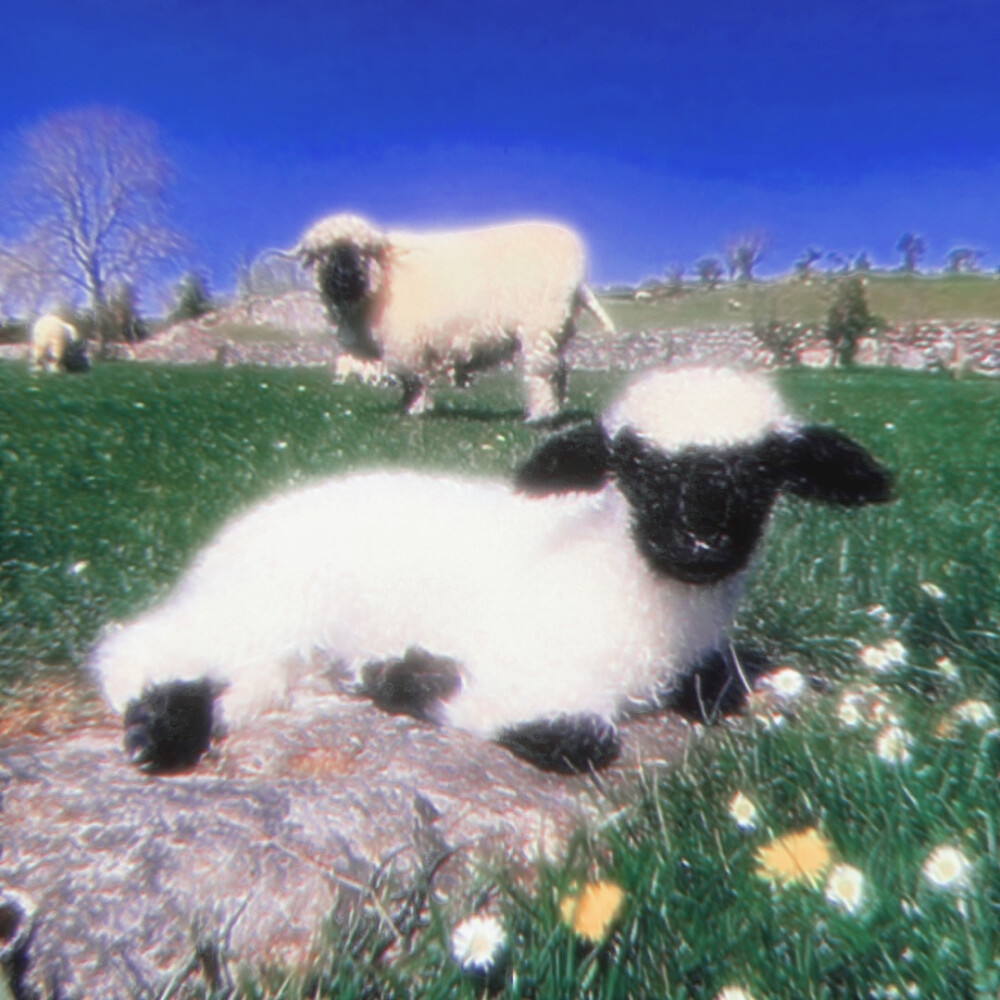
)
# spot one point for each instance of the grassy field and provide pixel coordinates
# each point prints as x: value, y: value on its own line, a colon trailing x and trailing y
x: 108, y: 483
x: 896, y: 298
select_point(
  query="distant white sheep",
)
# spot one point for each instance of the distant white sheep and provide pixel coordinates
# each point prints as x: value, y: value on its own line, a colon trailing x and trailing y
x: 536, y: 614
x: 56, y: 344
x: 448, y: 304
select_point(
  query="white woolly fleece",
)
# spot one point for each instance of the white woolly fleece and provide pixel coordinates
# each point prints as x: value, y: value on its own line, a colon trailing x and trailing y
x: 672, y: 409
x: 544, y: 602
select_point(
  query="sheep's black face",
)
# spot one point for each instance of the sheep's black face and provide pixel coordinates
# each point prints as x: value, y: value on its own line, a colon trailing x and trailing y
x: 343, y: 275
x: 698, y: 514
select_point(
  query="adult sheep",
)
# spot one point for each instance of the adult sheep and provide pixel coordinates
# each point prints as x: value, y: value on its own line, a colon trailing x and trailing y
x: 56, y: 344
x: 449, y: 304
x: 535, y: 613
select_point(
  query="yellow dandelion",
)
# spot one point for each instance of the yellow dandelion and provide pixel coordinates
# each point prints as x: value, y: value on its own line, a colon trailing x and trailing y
x: 797, y: 857
x: 593, y: 910
x: 743, y: 811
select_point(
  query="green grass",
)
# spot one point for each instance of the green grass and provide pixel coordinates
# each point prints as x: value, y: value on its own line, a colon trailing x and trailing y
x: 896, y: 298
x: 122, y: 475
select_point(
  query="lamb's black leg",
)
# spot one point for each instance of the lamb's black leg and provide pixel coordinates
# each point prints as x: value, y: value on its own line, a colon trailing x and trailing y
x: 412, y: 685
x: 718, y: 684
x: 568, y: 744
x: 170, y: 726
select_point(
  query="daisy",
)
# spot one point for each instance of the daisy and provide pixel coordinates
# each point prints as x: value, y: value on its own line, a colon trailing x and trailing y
x: 948, y: 868
x: 976, y: 713
x: 743, y: 811
x: 733, y: 993
x: 892, y: 744
x: 932, y: 590
x: 797, y: 857
x: 845, y: 888
x: 478, y: 942
x: 786, y: 683
x: 593, y: 910
x: 947, y: 668
x: 880, y: 659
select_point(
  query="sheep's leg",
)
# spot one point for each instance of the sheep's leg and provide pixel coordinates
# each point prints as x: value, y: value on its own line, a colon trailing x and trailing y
x: 416, y: 397
x: 169, y: 726
x: 413, y: 685
x: 545, y: 376
x: 717, y: 685
x: 568, y: 744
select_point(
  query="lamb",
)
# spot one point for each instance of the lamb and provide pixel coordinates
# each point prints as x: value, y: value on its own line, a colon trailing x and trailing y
x: 536, y: 613
x: 448, y: 304
x: 56, y: 344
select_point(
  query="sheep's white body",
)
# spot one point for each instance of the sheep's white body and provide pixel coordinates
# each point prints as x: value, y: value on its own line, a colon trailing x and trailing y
x: 51, y: 339
x: 544, y: 602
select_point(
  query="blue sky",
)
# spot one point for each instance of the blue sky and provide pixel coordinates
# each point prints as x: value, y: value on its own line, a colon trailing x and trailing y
x: 659, y: 130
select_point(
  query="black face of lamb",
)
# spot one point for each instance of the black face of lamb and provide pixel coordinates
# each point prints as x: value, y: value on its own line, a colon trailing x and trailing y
x: 696, y: 515
x: 343, y: 276
x: 170, y: 726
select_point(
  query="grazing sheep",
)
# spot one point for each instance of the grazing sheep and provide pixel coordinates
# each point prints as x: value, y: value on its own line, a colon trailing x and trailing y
x: 452, y: 303
x: 536, y: 614
x: 56, y: 344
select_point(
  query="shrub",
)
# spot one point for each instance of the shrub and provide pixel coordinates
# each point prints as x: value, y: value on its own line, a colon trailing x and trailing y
x: 849, y: 319
x: 192, y: 297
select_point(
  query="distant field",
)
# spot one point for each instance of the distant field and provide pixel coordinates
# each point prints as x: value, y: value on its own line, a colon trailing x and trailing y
x: 897, y: 298
x: 109, y: 483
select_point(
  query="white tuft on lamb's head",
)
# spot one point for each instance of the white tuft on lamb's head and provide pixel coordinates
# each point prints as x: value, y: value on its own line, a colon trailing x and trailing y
x: 337, y: 230
x: 701, y: 456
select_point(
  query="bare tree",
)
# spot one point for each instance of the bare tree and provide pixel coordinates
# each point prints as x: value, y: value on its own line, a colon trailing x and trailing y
x: 709, y: 271
x: 744, y: 253
x: 90, y: 201
x: 912, y: 247
x: 964, y: 260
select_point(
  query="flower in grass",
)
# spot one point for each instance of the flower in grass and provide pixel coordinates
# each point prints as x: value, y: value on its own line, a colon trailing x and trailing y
x: 932, y: 590
x: 743, y: 811
x: 733, y: 993
x: 880, y: 659
x: 797, y: 857
x: 478, y: 942
x: 975, y: 713
x: 845, y: 887
x: 592, y: 910
x: 880, y: 613
x: 78, y: 567
x: 893, y: 744
x: 850, y: 710
x: 786, y: 683
x: 948, y: 868
x: 947, y: 667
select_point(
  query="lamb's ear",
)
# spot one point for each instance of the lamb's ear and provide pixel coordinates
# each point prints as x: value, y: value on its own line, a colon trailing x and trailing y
x: 577, y: 460
x: 821, y: 463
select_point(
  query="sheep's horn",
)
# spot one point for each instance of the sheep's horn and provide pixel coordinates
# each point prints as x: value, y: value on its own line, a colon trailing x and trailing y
x: 294, y: 254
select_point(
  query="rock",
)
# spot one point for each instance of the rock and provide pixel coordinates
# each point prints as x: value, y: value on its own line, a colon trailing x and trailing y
x: 117, y: 884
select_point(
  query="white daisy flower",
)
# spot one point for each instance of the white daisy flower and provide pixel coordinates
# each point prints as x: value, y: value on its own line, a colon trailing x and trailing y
x: 743, y: 811
x: 478, y: 942
x: 880, y: 659
x: 892, y: 744
x: 880, y: 613
x: 932, y: 590
x: 787, y: 683
x: 976, y: 713
x: 947, y: 668
x: 733, y: 993
x: 948, y: 868
x: 78, y: 567
x: 845, y: 887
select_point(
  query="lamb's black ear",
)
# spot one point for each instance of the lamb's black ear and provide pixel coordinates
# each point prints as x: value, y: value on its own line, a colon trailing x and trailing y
x: 577, y: 460
x: 821, y: 463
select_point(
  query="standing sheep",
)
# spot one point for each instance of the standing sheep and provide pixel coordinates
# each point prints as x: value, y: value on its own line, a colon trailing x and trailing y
x: 56, y: 344
x: 536, y: 614
x: 453, y: 303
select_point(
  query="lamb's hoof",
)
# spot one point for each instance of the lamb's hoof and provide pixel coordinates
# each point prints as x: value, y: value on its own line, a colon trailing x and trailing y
x: 569, y: 744
x: 413, y: 685
x: 170, y: 726
x: 719, y: 685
